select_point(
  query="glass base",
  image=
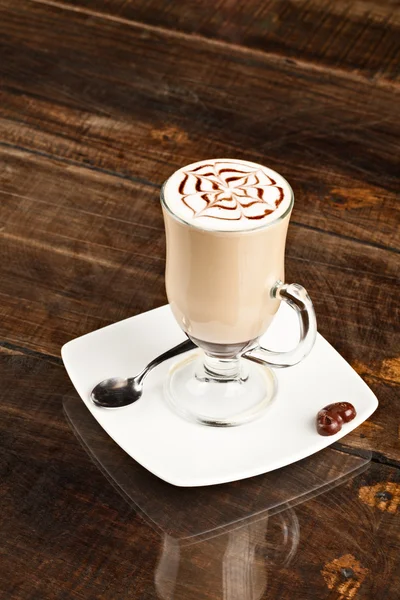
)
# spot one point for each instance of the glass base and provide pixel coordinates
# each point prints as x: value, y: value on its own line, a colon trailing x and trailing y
x: 239, y: 392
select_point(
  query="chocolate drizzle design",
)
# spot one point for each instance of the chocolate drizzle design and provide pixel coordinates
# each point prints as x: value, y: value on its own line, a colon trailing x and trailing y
x: 230, y: 191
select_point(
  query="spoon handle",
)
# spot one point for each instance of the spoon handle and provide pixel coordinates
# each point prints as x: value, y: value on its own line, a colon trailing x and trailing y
x: 175, y: 351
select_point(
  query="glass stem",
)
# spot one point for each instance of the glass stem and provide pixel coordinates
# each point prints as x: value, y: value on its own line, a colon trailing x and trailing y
x: 221, y: 369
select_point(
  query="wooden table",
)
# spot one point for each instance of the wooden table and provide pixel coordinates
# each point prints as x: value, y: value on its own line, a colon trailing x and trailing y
x: 100, y: 102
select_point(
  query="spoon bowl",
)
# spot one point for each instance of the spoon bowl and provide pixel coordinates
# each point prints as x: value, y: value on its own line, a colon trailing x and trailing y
x: 117, y: 392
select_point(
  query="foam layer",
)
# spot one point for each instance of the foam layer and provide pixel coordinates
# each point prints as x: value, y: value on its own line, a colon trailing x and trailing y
x: 227, y: 194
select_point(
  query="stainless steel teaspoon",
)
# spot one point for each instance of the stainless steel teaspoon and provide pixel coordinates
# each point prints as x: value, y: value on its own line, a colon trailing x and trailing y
x: 118, y: 391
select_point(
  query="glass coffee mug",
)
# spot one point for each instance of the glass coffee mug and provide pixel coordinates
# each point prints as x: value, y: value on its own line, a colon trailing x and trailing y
x: 226, y: 223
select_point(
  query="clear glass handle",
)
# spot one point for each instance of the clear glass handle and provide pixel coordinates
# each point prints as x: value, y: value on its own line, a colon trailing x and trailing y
x: 298, y: 299
x: 283, y: 553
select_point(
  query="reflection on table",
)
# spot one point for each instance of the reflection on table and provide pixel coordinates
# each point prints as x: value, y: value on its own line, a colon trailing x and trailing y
x: 220, y: 541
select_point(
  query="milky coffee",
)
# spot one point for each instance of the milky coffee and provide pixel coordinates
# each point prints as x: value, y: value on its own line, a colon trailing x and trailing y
x: 226, y: 223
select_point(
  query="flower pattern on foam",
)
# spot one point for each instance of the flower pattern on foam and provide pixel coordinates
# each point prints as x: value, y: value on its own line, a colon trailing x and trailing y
x: 230, y: 191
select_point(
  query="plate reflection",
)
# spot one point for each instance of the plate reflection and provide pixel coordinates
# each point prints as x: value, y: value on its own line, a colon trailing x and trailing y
x: 222, y: 541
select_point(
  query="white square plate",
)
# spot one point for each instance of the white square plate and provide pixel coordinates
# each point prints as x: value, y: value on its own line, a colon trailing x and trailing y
x: 188, y: 454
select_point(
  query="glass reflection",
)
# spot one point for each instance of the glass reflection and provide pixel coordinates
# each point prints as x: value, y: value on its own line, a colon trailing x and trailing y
x: 221, y: 541
x: 233, y: 565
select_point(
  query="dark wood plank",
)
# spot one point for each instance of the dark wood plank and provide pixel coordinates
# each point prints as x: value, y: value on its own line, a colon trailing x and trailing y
x: 66, y: 533
x: 81, y: 250
x: 156, y: 102
x: 95, y: 113
x: 52, y: 511
x: 359, y: 37
x: 380, y: 433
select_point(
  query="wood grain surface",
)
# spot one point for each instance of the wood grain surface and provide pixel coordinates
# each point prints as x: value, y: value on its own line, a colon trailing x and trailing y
x: 99, y: 103
x: 360, y: 37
